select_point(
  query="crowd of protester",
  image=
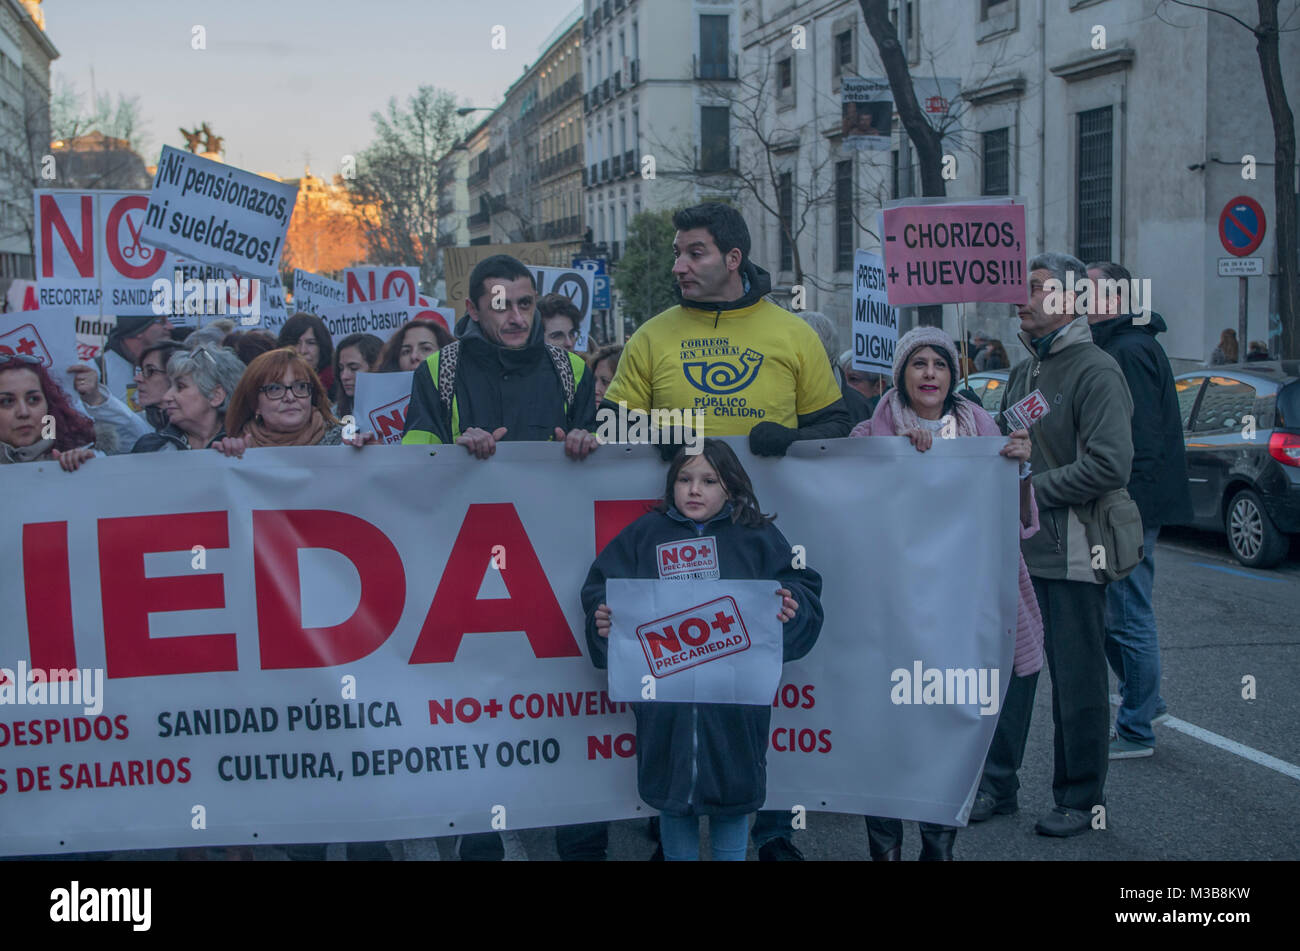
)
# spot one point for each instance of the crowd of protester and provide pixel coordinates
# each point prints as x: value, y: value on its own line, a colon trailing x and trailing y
x: 509, y: 373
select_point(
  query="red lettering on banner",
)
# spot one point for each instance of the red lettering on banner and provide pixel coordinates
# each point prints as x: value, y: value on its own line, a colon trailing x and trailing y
x: 83, y: 255
x: 354, y: 290
x: 151, y: 258
x: 613, y: 517
x: 128, y: 597
x: 432, y: 316
x: 399, y: 279
x: 48, y: 590
x: 283, y: 641
x: 658, y: 643
x: 456, y: 609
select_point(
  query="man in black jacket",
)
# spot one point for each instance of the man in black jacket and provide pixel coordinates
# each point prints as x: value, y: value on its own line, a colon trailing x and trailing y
x: 500, y: 380
x: 1158, y: 484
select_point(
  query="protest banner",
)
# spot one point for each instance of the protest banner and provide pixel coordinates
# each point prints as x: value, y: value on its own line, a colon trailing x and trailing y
x: 459, y: 262
x: 697, y: 641
x: 371, y: 284
x: 92, y: 333
x: 866, y: 113
x: 50, y: 339
x: 380, y: 404
x: 875, y: 323
x: 315, y: 648
x: 575, y: 284
x: 208, y: 211
x: 91, y: 253
x: 311, y: 292
x: 940, y: 251
x: 194, y: 294
x: 380, y: 318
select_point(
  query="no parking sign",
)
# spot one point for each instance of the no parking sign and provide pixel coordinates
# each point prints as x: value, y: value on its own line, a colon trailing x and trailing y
x: 1241, y: 226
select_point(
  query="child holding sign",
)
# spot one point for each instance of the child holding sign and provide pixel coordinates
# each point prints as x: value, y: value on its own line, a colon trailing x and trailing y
x: 705, y: 759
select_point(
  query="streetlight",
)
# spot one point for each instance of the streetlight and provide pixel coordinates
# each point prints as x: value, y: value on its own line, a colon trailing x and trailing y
x: 466, y: 110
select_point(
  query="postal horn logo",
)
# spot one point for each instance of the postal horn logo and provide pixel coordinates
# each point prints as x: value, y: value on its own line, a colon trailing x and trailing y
x: 722, y: 377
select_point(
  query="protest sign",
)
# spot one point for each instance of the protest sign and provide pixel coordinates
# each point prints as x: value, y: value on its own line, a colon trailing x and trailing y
x: 459, y: 262
x: 92, y: 333
x: 194, y: 294
x: 866, y: 113
x: 210, y: 212
x: 456, y: 621
x: 575, y: 284
x: 698, y: 642
x: 380, y: 318
x: 311, y: 292
x: 952, y: 252
x: 49, y: 338
x: 875, y: 323
x: 379, y: 405
x: 369, y: 284
x: 91, y: 254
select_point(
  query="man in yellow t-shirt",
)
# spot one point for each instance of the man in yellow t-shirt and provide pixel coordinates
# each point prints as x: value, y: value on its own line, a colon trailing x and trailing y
x: 750, y: 366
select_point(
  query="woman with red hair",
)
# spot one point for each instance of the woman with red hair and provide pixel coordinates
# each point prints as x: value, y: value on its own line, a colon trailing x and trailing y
x: 37, y: 422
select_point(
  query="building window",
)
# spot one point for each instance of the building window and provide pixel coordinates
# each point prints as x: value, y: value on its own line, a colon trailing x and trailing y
x: 785, y: 206
x: 997, y: 165
x: 634, y: 40
x: 1093, y: 206
x: 714, y: 46
x: 785, y: 74
x: 843, y: 51
x: 715, y: 138
x: 992, y: 7
x: 844, y: 237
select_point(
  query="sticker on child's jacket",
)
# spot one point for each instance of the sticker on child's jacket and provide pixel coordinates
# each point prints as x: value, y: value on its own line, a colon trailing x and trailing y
x: 1027, y: 412
x: 699, y: 642
x: 693, y: 558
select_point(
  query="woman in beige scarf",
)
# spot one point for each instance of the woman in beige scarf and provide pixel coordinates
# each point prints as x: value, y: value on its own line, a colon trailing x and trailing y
x: 280, y: 402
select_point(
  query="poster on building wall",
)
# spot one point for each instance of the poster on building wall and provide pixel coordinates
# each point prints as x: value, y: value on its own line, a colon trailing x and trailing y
x: 866, y: 113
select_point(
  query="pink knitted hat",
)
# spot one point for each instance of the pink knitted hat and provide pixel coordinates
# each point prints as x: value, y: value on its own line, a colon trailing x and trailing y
x: 924, y: 337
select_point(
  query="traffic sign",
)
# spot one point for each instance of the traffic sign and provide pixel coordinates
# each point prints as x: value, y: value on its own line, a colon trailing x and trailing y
x: 1241, y: 267
x: 1241, y: 226
x: 599, y: 282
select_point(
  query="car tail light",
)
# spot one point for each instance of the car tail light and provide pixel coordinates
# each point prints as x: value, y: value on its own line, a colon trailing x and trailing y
x: 1285, y: 448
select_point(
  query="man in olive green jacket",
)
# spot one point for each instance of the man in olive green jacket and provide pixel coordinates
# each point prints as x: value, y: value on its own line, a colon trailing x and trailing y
x: 1086, y: 434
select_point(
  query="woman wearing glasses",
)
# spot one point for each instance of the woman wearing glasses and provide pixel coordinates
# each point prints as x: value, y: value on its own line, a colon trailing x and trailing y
x: 37, y: 421
x: 200, y: 382
x: 280, y: 402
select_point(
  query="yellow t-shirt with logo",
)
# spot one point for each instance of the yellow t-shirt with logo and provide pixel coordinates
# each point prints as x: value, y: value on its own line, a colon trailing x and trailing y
x: 741, y: 367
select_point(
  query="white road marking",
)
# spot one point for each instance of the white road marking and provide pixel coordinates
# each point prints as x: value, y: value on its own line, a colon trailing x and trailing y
x: 1232, y: 746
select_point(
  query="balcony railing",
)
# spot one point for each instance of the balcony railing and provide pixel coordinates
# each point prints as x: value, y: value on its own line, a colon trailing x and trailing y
x: 604, y: 170
x: 604, y: 88
x: 479, y: 218
x: 564, y: 161
x: 635, y: 72
x: 616, y: 167
x: 629, y: 162
x: 561, y: 228
x: 711, y: 69
x: 479, y: 177
x: 594, y: 177
x: 618, y: 81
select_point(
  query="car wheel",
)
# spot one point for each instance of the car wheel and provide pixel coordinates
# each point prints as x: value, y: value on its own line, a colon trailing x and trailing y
x: 1252, y: 536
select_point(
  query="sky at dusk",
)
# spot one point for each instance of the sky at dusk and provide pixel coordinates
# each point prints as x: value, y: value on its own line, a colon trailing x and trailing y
x: 283, y: 79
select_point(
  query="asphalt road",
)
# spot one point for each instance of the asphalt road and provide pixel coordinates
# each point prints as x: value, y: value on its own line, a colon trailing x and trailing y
x: 1224, y: 782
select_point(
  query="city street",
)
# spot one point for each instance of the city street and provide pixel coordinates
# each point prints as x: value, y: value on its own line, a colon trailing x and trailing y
x: 1222, y: 784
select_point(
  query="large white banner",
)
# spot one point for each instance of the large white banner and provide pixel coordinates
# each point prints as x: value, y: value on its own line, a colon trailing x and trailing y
x: 309, y: 645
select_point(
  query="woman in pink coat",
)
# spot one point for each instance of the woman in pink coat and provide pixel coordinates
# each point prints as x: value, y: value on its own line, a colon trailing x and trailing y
x: 923, y: 401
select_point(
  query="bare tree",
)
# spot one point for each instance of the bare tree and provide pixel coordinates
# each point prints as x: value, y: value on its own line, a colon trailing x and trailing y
x: 397, y: 175
x: 24, y: 155
x: 1266, y: 33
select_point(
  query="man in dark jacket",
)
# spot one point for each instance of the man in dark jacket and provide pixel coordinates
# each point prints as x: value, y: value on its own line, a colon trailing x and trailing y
x: 1158, y: 485
x: 1082, y: 449
x: 500, y: 380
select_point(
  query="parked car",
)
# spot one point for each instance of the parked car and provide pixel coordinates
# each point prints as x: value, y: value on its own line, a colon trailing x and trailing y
x: 1244, y: 478
x: 988, y: 385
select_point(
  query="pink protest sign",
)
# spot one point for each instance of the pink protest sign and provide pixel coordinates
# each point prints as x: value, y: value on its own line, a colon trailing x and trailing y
x: 954, y: 253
